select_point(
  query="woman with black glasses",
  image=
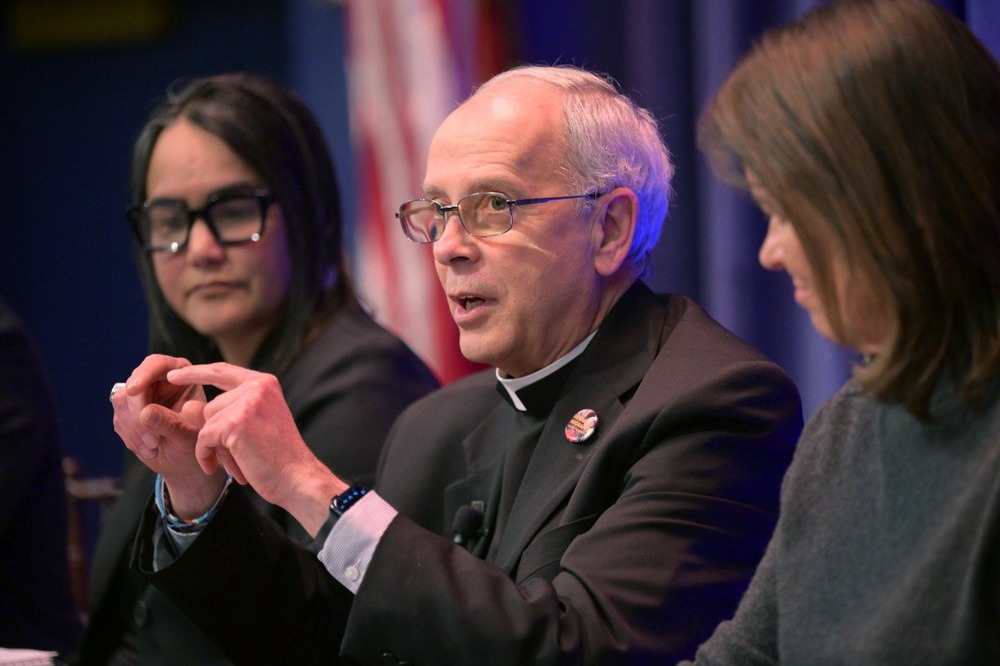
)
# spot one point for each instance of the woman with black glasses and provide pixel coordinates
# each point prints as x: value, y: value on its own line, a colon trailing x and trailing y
x: 238, y: 238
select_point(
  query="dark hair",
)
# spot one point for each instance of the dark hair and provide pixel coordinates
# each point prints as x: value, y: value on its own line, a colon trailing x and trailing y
x: 275, y: 134
x: 877, y: 123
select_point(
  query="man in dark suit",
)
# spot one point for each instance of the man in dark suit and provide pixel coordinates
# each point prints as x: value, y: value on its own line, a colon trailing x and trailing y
x: 607, y: 503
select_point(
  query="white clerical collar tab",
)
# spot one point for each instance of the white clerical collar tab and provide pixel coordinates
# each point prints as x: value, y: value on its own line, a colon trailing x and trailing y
x: 513, y: 384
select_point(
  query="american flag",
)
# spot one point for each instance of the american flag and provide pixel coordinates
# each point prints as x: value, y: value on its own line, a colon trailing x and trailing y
x: 409, y: 63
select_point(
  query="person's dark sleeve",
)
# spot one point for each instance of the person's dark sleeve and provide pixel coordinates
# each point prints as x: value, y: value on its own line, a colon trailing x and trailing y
x: 36, y: 603
x: 250, y: 588
x: 751, y: 637
x: 28, y: 426
x: 348, y: 390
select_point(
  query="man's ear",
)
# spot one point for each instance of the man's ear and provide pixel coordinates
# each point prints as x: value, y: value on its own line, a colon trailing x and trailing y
x: 614, y: 229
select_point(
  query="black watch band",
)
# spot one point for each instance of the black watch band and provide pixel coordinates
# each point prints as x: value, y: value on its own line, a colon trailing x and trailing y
x: 338, y: 505
x: 342, y: 502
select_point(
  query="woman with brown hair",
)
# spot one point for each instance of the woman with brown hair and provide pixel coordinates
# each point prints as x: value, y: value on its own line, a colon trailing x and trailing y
x: 869, y: 133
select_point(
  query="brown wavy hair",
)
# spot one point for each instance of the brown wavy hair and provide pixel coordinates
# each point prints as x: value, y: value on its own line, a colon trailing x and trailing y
x: 877, y: 123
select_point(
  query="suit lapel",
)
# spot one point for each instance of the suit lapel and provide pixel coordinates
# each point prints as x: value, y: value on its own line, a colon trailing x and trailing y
x: 483, y: 449
x: 613, y: 364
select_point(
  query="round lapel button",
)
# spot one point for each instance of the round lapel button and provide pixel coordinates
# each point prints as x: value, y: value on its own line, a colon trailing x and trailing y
x: 581, y: 426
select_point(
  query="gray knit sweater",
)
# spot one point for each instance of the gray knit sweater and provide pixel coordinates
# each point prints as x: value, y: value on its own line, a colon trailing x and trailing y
x: 886, y: 551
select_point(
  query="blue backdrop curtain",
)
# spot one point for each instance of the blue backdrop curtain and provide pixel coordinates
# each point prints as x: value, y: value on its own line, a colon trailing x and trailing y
x: 673, y: 55
x: 70, y: 112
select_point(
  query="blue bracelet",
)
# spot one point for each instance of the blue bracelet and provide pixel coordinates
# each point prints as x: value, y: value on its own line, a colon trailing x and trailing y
x: 177, y: 523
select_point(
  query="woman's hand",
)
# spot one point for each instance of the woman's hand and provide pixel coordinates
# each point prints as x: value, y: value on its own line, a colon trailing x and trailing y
x: 159, y: 422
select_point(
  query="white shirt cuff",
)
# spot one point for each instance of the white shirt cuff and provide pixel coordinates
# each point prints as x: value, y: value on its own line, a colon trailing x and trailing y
x: 350, y: 546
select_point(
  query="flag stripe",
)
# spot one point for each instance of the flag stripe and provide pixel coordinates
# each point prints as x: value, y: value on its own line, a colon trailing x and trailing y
x: 409, y: 63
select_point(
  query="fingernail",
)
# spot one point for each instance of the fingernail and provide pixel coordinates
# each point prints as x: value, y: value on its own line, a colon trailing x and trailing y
x: 151, y: 418
x: 150, y: 441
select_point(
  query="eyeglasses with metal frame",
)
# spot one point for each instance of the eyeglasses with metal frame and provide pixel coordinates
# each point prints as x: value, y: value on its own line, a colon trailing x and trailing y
x: 233, y: 217
x: 482, y: 214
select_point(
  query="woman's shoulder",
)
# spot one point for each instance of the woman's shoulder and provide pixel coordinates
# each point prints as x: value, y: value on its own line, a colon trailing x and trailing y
x: 352, y: 338
x: 349, y: 351
x: 354, y: 327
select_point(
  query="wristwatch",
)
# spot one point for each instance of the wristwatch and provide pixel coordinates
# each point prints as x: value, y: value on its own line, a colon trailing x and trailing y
x: 338, y: 505
x: 342, y: 502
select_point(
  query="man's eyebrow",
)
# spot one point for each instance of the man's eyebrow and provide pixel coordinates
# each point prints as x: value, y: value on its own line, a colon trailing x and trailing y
x: 501, y: 186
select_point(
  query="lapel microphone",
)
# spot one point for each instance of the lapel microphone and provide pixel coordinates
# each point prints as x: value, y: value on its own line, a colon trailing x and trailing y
x: 466, y: 525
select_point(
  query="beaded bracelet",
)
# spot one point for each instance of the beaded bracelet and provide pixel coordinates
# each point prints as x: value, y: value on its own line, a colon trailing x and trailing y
x: 177, y: 523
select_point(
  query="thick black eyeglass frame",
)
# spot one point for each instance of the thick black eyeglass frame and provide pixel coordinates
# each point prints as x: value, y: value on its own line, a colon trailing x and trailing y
x: 445, y: 211
x: 264, y: 200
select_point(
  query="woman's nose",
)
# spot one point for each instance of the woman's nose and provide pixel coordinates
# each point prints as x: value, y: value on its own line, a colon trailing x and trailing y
x: 770, y: 254
x: 202, y: 243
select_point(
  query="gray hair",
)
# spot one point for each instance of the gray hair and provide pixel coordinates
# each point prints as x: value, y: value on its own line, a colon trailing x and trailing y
x: 612, y: 142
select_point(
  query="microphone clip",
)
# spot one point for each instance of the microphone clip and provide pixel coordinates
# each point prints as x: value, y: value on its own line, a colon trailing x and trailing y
x: 467, y: 525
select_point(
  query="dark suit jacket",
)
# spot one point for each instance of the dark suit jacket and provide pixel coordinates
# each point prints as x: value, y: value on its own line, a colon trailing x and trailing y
x: 628, y: 547
x: 344, y: 391
x: 36, y: 607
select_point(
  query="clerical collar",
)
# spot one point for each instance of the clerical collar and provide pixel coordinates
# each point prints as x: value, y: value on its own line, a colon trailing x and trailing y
x: 512, y: 385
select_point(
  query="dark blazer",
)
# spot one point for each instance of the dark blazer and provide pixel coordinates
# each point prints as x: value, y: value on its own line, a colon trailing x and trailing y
x: 628, y: 547
x: 344, y: 391
x: 36, y: 607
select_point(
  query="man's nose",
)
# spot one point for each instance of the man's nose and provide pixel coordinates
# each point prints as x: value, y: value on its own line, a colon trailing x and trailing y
x: 455, y: 242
